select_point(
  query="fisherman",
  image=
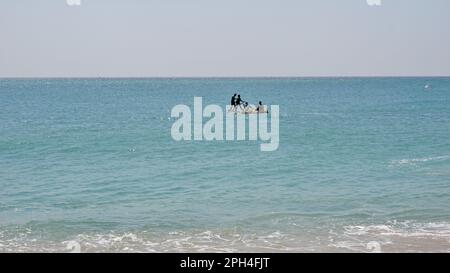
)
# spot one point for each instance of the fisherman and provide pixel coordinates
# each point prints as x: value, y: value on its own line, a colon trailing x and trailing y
x: 233, y: 103
x: 261, y: 108
x: 238, y: 102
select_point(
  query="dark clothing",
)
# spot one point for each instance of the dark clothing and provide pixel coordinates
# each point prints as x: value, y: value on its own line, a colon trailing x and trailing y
x: 238, y: 101
x: 259, y: 107
x: 233, y: 101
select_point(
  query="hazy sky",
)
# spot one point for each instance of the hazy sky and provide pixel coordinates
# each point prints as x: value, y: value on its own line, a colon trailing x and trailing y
x: 224, y: 38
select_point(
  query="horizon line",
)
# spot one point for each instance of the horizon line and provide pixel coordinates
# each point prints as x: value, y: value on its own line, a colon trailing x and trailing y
x: 223, y: 77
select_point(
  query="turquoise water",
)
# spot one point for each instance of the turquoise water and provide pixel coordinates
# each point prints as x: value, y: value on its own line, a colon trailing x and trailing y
x: 363, y: 165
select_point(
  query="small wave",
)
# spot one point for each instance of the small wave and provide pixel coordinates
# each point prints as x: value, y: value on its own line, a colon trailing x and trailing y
x: 176, y: 241
x: 387, y: 237
x: 314, y: 114
x: 405, y: 229
x: 416, y: 161
x: 395, y: 237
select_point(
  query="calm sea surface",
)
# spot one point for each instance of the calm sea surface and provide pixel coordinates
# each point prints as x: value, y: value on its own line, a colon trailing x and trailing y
x: 363, y: 165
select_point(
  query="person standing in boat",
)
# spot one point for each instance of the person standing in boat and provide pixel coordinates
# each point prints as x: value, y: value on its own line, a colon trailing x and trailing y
x: 238, y: 102
x: 233, y: 103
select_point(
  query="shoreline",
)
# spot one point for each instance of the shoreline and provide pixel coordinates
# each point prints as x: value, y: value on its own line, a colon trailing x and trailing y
x: 350, y: 239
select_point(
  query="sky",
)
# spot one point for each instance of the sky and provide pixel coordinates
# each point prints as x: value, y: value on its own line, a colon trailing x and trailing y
x: 224, y: 38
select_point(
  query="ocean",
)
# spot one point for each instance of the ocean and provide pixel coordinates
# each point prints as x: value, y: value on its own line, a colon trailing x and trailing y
x: 89, y: 165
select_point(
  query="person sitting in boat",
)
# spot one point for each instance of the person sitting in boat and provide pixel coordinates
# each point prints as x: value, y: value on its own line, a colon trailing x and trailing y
x: 261, y: 108
x: 248, y: 108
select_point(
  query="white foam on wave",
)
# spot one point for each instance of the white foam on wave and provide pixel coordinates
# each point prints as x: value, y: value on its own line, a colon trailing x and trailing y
x: 395, y: 237
x: 405, y: 229
x: 386, y: 237
x: 415, y: 161
x: 176, y: 241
